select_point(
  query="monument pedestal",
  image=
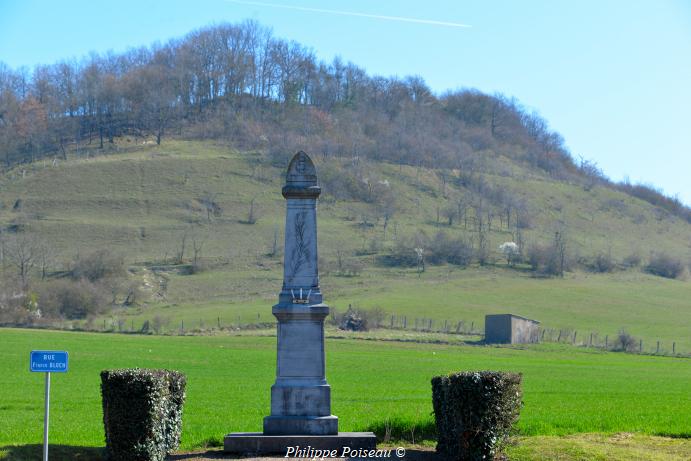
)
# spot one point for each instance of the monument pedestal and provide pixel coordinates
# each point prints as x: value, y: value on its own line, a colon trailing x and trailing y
x: 300, y: 397
x: 312, y: 425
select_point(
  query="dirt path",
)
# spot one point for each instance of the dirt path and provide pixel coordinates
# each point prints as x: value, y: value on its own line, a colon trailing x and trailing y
x: 411, y: 454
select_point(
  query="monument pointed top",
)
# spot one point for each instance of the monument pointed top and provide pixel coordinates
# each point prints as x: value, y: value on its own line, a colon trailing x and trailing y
x: 301, y: 179
x: 301, y: 171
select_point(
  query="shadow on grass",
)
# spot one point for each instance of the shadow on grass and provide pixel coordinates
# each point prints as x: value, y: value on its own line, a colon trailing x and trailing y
x: 674, y: 435
x: 210, y: 454
x: 479, y: 342
x: 55, y: 453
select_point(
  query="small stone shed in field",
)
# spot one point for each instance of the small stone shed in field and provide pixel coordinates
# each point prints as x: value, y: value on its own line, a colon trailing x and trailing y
x: 510, y: 329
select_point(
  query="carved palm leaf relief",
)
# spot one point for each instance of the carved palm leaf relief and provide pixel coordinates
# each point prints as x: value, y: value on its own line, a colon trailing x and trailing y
x: 301, y: 251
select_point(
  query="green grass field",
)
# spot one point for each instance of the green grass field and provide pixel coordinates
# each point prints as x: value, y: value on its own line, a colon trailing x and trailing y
x: 567, y: 390
x: 624, y: 446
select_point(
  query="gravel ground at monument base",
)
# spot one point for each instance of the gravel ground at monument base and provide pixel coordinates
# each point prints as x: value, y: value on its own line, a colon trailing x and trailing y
x: 619, y: 446
x: 415, y: 454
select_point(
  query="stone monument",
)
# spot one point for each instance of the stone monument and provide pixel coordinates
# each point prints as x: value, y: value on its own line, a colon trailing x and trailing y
x: 300, y: 397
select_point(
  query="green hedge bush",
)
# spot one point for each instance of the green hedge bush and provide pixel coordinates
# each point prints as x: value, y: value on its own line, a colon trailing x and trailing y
x: 142, y: 413
x: 474, y: 412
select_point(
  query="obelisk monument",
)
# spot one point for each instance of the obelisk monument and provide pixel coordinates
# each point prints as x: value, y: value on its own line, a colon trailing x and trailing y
x: 300, y: 397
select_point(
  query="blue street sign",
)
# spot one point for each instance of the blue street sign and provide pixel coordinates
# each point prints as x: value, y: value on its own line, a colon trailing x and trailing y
x: 49, y: 361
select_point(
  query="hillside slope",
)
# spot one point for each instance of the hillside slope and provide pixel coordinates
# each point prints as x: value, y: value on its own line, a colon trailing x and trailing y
x: 139, y: 201
x: 143, y: 201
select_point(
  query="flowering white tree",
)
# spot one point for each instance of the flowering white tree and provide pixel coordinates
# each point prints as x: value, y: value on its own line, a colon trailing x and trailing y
x: 510, y: 251
x: 420, y: 252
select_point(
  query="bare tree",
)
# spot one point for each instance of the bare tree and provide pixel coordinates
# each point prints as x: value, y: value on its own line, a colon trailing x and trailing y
x: 560, y: 252
x: 339, y: 260
x: 387, y: 207
x: 273, y: 251
x: 592, y: 174
x: 462, y: 211
x: 506, y: 211
x: 3, y: 252
x: 23, y: 252
x: 212, y: 208
x: 46, y: 257
x: 442, y: 175
x: 180, y: 255
x: 449, y: 212
x: 197, y: 246
x: 251, y: 213
x: 482, y: 231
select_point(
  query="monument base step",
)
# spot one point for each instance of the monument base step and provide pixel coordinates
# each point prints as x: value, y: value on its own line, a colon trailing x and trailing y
x: 257, y: 443
x: 306, y: 425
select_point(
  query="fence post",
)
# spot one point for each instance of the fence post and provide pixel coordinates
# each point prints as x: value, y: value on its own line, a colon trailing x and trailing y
x: 182, y: 327
x: 472, y: 327
x: 657, y: 350
x: 559, y: 338
x: 574, y: 338
x: 590, y: 342
x: 640, y: 346
x: 405, y: 322
x: 391, y: 321
x: 606, y: 341
x: 543, y: 336
x: 674, y: 347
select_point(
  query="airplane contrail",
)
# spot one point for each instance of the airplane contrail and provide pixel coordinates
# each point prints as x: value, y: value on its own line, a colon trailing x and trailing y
x: 352, y: 13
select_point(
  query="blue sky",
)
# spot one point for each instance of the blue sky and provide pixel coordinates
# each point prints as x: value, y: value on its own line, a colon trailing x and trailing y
x: 613, y: 77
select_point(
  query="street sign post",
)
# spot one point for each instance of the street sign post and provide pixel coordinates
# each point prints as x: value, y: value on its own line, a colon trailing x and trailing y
x: 47, y: 362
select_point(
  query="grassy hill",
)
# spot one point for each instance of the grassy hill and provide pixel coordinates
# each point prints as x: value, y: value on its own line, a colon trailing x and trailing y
x: 143, y: 199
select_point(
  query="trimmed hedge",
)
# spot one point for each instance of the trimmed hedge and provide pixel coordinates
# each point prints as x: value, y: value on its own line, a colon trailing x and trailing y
x: 142, y: 413
x: 474, y: 412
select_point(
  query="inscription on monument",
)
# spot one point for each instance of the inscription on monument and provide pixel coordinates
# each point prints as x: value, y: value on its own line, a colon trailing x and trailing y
x: 295, y: 361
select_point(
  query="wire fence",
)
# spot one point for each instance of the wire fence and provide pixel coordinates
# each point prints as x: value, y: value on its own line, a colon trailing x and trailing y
x: 621, y: 341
